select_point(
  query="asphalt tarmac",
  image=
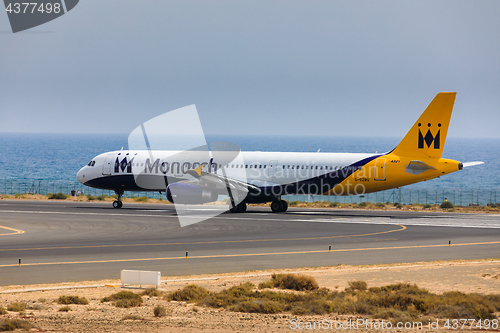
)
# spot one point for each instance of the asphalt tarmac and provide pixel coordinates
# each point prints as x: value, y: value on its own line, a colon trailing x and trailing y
x: 72, y: 241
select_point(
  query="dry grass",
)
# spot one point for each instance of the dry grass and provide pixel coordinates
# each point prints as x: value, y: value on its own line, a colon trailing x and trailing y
x: 72, y: 300
x: 13, y: 324
x: 396, y: 302
x: 152, y: 292
x: 159, y: 311
x: 17, y: 307
x: 124, y: 299
x: 357, y: 285
x: 3, y: 311
x: 132, y: 317
x: 291, y: 281
x: 191, y: 293
x: 65, y: 309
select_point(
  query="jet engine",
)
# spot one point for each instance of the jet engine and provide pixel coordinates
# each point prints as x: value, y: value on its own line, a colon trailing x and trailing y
x: 184, y: 193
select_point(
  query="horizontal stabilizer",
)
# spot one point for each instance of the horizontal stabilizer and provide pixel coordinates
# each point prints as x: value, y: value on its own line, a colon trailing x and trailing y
x: 469, y: 164
x: 417, y: 167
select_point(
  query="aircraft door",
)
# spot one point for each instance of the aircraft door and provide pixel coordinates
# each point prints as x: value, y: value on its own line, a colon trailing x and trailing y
x: 271, y: 170
x: 379, y: 169
x: 107, y: 165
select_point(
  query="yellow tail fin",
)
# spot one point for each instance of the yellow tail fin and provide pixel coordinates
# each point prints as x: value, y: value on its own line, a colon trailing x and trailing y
x: 428, y: 134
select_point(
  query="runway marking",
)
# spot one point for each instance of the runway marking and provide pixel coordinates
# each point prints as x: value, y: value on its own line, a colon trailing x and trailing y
x: 246, y: 254
x: 402, y: 227
x: 16, y: 231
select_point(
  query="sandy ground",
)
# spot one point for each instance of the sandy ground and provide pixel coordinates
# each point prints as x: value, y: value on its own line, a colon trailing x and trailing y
x: 479, y: 276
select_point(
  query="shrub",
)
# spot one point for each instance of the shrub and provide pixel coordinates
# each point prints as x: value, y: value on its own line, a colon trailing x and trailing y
x: 65, y: 309
x: 159, y: 311
x: 293, y: 203
x: 101, y: 197
x: 13, y: 324
x: 357, y: 285
x: 363, y: 204
x: 447, y: 204
x: 425, y: 206
x: 294, y: 282
x: 3, y: 311
x: 142, y: 199
x: 124, y: 299
x: 17, y: 307
x: 267, y: 284
x: 257, y: 306
x: 72, y: 300
x: 191, y: 293
x: 333, y: 204
x: 380, y: 205
x: 90, y: 197
x: 398, y: 205
x: 132, y: 317
x: 17, y: 195
x: 152, y: 292
x: 57, y: 196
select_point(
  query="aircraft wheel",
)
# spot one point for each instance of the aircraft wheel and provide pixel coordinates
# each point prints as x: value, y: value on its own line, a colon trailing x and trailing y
x: 284, y: 206
x: 117, y: 204
x: 276, y: 206
x: 233, y: 209
x: 240, y: 208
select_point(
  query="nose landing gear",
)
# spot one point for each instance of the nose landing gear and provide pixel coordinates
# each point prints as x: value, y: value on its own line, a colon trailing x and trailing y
x: 118, y: 202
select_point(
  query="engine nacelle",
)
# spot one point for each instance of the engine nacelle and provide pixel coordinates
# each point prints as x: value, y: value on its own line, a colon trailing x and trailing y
x: 184, y: 193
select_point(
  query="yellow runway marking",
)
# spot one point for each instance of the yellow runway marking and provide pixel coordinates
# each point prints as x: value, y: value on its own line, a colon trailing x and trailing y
x: 402, y: 227
x: 250, y: 254
x: 16, y: 231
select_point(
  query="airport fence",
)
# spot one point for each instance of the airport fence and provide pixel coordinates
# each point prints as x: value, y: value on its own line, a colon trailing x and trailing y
x: 403, y: 195
x: 44, y: 187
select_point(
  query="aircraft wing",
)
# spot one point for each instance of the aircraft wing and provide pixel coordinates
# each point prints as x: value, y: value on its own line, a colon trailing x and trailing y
x: 209, y: 179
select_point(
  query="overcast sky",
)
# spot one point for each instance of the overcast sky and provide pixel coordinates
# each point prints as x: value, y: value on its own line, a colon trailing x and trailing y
x: 360, y: 68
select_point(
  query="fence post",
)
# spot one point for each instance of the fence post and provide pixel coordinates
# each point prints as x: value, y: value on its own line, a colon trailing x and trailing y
x: 472, y: 196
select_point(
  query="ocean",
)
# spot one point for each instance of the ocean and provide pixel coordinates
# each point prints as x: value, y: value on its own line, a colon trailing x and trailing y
x: 41, y: 163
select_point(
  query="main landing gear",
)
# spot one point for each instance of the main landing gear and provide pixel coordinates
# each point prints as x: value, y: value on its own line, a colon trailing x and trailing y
x: 240, y: 208
x: 118, y: 202
x: 279, y: 206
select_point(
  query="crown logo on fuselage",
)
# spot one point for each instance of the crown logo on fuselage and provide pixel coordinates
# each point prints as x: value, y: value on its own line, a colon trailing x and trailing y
x: 428, y: 139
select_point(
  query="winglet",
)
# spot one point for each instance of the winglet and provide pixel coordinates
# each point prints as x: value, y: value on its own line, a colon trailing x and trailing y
x: 196, y: 173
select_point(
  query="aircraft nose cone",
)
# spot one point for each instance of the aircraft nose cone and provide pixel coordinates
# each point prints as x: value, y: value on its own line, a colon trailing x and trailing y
x: 81, y: 175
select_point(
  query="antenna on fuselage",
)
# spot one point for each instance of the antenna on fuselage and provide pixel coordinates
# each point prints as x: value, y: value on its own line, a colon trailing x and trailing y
x: 318, y: 150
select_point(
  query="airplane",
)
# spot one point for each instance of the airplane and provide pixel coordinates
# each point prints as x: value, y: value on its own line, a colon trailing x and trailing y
x: 197, y: 177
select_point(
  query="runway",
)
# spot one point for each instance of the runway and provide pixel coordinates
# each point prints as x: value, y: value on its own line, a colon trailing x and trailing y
x: 71, y: 241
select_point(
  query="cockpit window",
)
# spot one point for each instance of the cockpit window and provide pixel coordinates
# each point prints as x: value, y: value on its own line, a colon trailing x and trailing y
x: 91, y: 163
